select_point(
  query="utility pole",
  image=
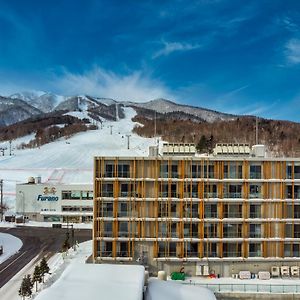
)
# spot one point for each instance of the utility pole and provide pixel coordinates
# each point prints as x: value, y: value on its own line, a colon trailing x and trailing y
x: 111, y: 126
x: 1, y: 198
x: 128, y: 136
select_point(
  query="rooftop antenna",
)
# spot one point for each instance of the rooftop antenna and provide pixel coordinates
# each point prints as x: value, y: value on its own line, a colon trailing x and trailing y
x: 256, y: 130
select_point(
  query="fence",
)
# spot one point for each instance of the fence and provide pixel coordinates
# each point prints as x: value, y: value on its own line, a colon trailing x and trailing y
x: 249, y: 288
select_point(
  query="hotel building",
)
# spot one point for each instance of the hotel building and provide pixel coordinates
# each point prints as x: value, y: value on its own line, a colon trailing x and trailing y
x: 225, y: 213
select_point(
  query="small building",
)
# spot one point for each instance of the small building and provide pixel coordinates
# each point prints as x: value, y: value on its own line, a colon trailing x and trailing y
x: 54, y: 202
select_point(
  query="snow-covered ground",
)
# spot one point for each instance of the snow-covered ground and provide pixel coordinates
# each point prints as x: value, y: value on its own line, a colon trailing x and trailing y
x: 72, y: 158
x: 77, y: 280
x: 11, y: 245
x: 162, y: 290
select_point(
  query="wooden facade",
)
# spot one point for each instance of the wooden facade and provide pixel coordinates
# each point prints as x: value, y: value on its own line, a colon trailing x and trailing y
x: 191, y: 209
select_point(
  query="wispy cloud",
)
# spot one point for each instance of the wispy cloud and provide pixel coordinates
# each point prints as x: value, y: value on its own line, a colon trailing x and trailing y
x: 136, y: 86
x: 170, y: 47
x: 292, y: 51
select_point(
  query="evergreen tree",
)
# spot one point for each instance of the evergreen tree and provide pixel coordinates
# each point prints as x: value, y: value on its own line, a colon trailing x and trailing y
x: 44, y: 268
x: 26, y: 287
x: 202, y: 144
x: 37, y: 276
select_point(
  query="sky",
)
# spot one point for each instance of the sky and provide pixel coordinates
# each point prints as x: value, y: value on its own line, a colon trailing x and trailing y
x: 240, y: 57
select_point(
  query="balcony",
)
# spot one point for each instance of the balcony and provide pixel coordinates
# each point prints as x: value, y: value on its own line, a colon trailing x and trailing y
x: 106, y: 253
x: 123, y: 254
x: 233, y: 215
x: 232, y: 195
x: 255, y: 175
x: 107, y: 194
x: 232, y: 254
x: 255, y: 234
x: 255, y: 215
x: 192, y: 254
x: 255, y: 195
x: 211, y: 195
x: 211, y: 214
x: 255, y: 253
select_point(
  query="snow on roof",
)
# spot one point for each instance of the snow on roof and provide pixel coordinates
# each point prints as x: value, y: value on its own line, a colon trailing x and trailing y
x: 97, y: 281
x: 162, y: 290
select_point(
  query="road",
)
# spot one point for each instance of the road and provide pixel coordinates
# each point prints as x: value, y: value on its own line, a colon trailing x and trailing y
x: 36, y: 241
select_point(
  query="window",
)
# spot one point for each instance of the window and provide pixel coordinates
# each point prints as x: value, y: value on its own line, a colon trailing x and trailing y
x: 75, y: 195
x: 255, y: 172
x: 255, y: 191
x: 109, y: 170
x: 123, y: 170
x: 208, y: 171
x: 254, y: 249
x: 164, y: 170
x: 123, y: 229
x: 232, y: 250
x: 106, y: 209
x: 107, y: 249
x: 107, y: 190
x: 122, y: 209
x: 232, y: 191
x: 255, y: 211
x: 66, y: 195
x: 210, y: 211
x: 255, y: 231
x: 191, y: 249
x: 233, y: 170
x: 108, y: 229
x: 210, y: 191
x: 210, y: 249
x: 87, y: 195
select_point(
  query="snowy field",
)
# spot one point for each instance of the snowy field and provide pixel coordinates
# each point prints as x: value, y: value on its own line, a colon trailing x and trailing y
x: 71, y: 160
x: 11, y: 245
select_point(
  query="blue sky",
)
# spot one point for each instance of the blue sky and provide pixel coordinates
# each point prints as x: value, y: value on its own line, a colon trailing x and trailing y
x: 238, y: 57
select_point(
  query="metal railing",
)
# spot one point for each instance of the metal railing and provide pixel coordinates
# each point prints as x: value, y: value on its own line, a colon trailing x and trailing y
x: 248, y: 288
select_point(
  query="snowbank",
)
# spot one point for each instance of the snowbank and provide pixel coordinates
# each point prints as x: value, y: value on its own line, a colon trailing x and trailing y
x: 163, y: 290
x: 10, y: 244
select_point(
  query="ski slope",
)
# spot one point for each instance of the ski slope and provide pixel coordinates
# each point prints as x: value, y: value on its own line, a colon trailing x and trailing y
x: 71, y: 160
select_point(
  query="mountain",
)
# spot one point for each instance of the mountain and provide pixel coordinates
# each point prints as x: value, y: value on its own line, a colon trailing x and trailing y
x: 167, y: 106
x: 96, y: 108
x: 15, y: 110
x: 45, y: 102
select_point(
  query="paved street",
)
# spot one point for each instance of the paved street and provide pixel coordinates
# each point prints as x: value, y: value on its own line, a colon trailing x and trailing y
x: 37, y: 241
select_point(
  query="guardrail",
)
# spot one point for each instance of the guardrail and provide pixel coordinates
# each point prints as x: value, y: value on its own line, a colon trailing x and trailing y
x: 248, y: 288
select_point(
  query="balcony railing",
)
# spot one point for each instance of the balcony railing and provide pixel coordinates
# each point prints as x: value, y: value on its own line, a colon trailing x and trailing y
x: 232, y: 195
x: 255, y: 195
x: 255, y: 253
x: 232, y: 254
x: 210, y: 195
x: 106, y: 253
x: 107, y: 194
x: 255, y: 215
x: 255, y: 175
x: 232, y: 234
x: 192, y: 254
x: 255, y: 234
x: 233, y: 215
x: 122, y: 254
x: 211, y: 214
